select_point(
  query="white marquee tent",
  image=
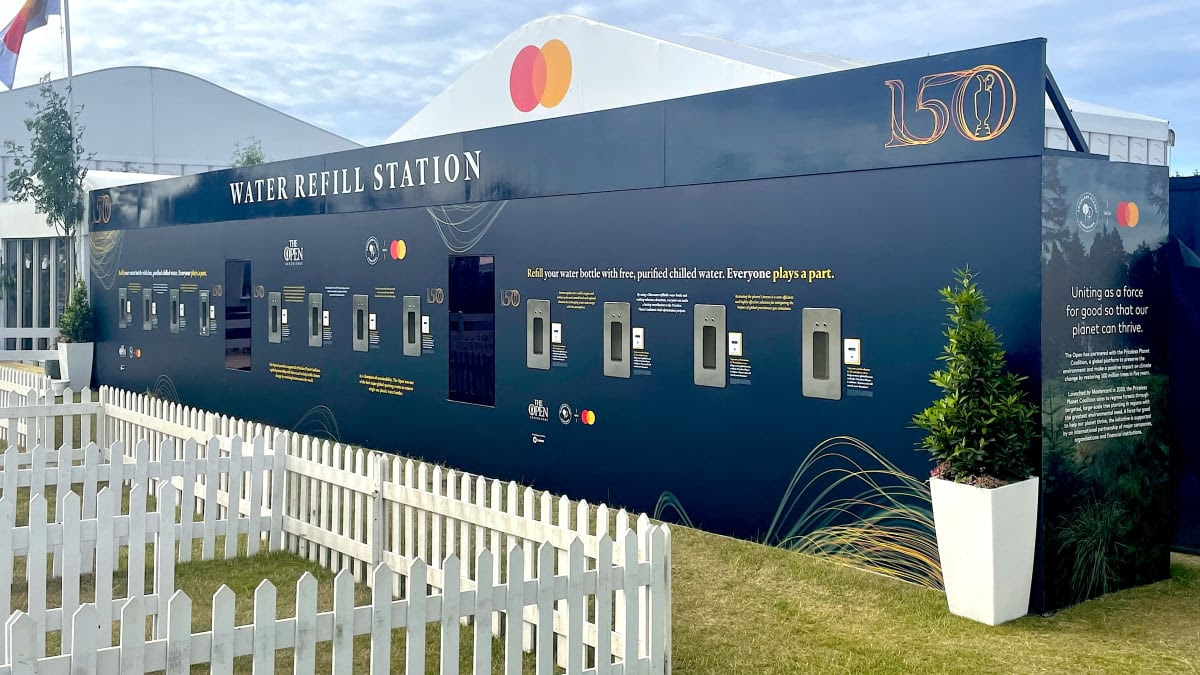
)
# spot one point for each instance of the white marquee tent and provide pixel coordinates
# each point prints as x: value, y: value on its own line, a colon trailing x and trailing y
x: 612, y: 67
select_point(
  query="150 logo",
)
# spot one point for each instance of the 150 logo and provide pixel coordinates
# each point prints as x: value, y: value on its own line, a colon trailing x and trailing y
x: 101, y: 209
x: 980, y: 103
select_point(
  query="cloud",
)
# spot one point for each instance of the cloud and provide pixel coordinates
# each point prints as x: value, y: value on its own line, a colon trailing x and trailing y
x: 362, y: 68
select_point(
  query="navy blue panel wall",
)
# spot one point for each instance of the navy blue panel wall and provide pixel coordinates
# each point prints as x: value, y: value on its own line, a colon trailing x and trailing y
x: 875, y: 244
x: 1185, y: 362
x: 849, y: 197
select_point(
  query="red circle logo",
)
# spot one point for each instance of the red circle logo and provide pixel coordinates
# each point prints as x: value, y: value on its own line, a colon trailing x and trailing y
x: 540, y: 76
x: 397, y: 249
x: 1127, y: 214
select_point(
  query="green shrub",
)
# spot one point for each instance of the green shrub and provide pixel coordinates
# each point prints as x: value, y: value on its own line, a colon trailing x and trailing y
x: 78, y: 322
x: 1090, y: 543
x: 981, y: 429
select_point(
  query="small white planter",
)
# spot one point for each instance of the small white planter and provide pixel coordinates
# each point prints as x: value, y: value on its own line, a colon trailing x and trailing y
x: 75, y: 360
x: 986, y: 541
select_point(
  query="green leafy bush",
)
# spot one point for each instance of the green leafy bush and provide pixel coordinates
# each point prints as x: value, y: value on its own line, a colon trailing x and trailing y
x: 78, y: 321
x: 981, y: 430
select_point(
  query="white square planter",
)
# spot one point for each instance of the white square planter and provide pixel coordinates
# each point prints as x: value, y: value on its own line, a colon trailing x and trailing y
x: 986, y: 540
x: 75, y: 361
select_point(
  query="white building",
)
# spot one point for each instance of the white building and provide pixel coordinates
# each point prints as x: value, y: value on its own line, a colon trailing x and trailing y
x: 135, y: 119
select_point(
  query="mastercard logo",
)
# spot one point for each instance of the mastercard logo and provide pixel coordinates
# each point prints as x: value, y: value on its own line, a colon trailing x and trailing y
x: 588, y: 417
x: 1127, y: 214
x: 540, y: 76
x: 397, y: 249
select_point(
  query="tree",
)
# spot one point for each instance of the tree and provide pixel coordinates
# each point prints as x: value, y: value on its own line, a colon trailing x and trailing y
x: 982, y: 430
x: 50, y: 173
x: 248, y: 155
x: 78, y: 322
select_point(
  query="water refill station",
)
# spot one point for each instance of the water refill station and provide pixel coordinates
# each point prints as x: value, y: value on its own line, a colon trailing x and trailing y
x: 721, y: 307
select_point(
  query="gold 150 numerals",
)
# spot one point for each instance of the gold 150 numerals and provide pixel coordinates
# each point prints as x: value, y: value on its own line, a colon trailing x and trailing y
x: 980, y: 103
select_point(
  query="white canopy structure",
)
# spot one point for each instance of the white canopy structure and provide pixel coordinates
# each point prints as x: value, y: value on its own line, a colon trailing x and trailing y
x: 611, y: 67
x: 139, y: 118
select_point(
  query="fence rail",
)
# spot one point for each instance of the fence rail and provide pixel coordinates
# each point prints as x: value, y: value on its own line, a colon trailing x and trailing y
x: 375, y: 515
x: 6, y: 334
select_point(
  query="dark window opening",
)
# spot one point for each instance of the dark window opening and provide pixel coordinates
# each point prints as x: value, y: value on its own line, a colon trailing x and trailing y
x: 472, y: 339
x: 238, y: 329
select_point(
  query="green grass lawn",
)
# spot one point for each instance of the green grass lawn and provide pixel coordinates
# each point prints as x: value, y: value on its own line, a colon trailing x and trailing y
x: 200, y: 579
x: 741, y: 607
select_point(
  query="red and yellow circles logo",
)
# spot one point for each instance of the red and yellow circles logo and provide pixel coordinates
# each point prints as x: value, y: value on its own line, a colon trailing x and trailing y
x: 397, y: 249
x: 588, y: 417
x: 540, y: 76
x: 1127, y: 214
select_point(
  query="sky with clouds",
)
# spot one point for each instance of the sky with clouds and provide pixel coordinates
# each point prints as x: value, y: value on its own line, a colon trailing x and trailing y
x: 361, y: 68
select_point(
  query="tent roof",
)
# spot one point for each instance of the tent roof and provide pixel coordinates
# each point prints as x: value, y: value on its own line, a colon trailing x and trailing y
x: 613, y: 67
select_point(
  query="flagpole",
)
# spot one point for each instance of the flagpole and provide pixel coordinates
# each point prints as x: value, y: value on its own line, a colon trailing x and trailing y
x: 66, y: 7
x: 78, y: 243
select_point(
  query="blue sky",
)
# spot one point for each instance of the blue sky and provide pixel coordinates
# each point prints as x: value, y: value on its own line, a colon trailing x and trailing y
x: 361, y: 68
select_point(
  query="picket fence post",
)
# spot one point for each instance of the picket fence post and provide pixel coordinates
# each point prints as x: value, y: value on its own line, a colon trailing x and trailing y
x: 221, y: 655
x: 264, y: 628
x: 278, y: 476
x: 343, y: 623
x: 7, y: 523
x: 381, y: 622
x: 378, y: 514
x: 164, y: 557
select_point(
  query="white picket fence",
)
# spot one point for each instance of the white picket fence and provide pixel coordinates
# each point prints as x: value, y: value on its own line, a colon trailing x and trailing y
x: 382, y: 517
x: 177, y: 647
x: 34, y: 417
x: 20, y: 379
x: 89, y: 533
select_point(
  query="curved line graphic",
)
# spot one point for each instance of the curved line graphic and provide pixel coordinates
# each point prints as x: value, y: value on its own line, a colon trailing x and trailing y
x: 105, y: 248
x: 885, y: 525
x: 164, y: 388
x: 461, y: 226
x: 321, y: 422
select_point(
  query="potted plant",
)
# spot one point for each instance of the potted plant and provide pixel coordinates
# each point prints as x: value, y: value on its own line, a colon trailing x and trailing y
x: 981, y: 434
x: 76, y: 330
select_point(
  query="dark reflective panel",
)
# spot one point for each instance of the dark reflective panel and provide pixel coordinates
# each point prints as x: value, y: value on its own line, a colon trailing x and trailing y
x: 472, y: 307
x: 238, y: 290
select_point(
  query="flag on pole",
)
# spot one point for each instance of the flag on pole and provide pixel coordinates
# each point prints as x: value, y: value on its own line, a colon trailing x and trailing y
x: 33, y: 14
